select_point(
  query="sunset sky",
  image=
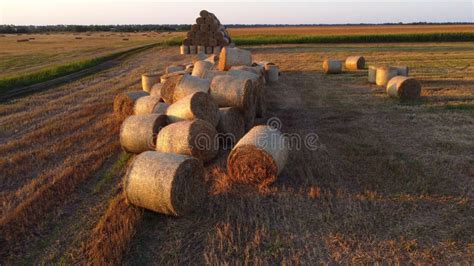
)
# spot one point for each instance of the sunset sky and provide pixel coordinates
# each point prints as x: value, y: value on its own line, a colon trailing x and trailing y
x: 41, y: 12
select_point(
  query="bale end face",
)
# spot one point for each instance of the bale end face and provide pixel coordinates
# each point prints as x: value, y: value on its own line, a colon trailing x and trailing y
x: 250, y: 165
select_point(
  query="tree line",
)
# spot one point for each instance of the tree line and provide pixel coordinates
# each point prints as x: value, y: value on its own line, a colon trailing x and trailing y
x: 171, y: 27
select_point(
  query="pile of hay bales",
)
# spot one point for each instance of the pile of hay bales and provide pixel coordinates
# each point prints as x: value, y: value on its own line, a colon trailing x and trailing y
x: 177, y: 124
x: 207, y: 36
x: 394, y: 78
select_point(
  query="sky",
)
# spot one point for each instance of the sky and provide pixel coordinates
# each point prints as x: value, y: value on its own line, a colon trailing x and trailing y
x: 85, y: 12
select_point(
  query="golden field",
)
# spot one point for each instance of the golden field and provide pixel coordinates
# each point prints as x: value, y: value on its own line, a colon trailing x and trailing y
x: 390, y: 182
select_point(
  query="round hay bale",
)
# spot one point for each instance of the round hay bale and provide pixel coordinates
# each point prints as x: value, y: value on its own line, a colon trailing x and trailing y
x: 384, y: 74
x: 145, y: 105
x: 272, y: 73
x: 234, y: 91
x: 149, y: 79
x: 192, y: 49
x: 259, y: 157
x: 177, y: 88
x: 258, y: 83
x: 332, y: 66
x: 165, y: 183
x: 204, y: 13
x: 198, y: 105
x: 402, y: 71
x: 195, y: 138
x: 216, y: 50
x: 160, y: 108
x: 231, y: 124
x: 372, y: 74
x: 209, y: 49
x: 138, y: 132
x: 200, y: 67
x: 156, y: 90
x: 199, y: 57
x: 124, y: 102
x: 165, y: 77
x: 184, y: 49
x: 234, y: 57
x: 404, y: 88
x: 201, y: 49
x: 355, y: 62
x: 175, y: 68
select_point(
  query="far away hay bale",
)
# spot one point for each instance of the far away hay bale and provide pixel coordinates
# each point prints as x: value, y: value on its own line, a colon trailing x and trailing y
x: 184, y: 49
x: 198, y: 105
x: 402, y: 71
x: 138, y: 132
x: 231, y: 124
x: 232, y: 91
x: 332, y: 66
x: 160, y: 108
x: 195, y: 138
x: 372, y: 74
x: 404, y: 88
x: 145, y: 105
x: 384, y: 74
x: 149, y: 79
x: 177, y: 88
x: 258, y: 157
x: 165, y: 183
x: 156, y: 90
x: 355, y: 62
x: 200, y: 67
x: 124, y: 102
x: 234, y: 57
x: 175, y: 68
x: 272, y: 73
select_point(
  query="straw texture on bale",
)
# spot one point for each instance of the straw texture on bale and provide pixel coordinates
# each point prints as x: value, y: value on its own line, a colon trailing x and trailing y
x: 258, y: 157
x: 234, y: 57
x: 124, y: 102
x: 138, y: 132
x: 355, y: 62
x: 199, y: 57
x: 372, y: 74
x: 384, y: 74
x: 198, y: 105
x: 216, y: 50
x: 165, y: 183
x: 232, y: 91
x: 174, y: 68
x: 177, y: 88
x: 208, y: 49
x: 200, y: 67
x: 160, y: 108
x: 210, y: 74
x: 404, y: 88
x: 231, y: 123
x: 184, y: 49
x: 258, y: 86
x: 272, y: 73
x: 149, y: 79
x: 402, y: 71
x: 195, y: 138
x: 192, y: 49
x: 145, y: 105
x: 165, y: 77
x: 156, y: 90
x: 201, y: 49
x: 332, y: 66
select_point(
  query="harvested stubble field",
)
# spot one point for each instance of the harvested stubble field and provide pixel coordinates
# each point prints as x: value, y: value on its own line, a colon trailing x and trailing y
x: 390, y: 181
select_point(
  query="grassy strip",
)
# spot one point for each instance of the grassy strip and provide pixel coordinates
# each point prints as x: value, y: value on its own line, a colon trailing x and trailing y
x: 373, y: 38
x: 385, y: 38
x: 50, y: 73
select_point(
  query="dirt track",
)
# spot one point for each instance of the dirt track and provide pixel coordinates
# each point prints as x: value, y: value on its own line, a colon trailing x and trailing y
x: 389, y: 181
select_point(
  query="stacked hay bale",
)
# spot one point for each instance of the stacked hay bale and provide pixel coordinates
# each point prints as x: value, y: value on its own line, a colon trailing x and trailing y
x: 206, y: 36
